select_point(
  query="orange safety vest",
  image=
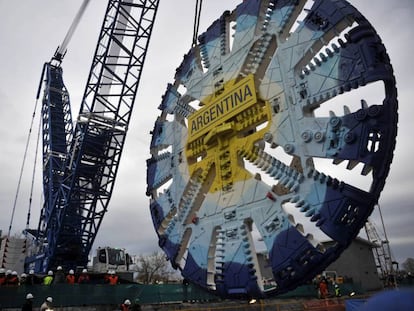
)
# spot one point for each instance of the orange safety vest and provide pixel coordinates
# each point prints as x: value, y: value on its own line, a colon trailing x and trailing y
x: 323, y: 288
x: 83, y: 278
x: 70, y: 279
x: 113, y: 279
x: 14, y: 280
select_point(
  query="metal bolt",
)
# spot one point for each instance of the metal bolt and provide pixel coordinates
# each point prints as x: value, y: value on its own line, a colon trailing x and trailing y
x: 268, y: 137
x: 373, y: 111
x: 307, y: 136
x: 319, y: 137
x: 289, y: 148
x: 349, y: 137
x: 335, y: 122
x: 360, y: 115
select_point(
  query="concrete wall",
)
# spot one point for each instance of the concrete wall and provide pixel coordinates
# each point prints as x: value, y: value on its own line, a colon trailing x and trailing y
x: 357, y: 262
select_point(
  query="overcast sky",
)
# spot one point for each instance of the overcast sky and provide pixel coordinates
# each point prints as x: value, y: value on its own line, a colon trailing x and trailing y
x: 31, y: 30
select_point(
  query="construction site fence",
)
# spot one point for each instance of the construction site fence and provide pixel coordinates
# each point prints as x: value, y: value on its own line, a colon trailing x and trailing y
x: 65, y: 295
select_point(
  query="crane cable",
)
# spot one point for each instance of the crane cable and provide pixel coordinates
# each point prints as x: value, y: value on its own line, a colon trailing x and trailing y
x: 22, y: 169
x: 197, y: 15
x: 33, y: 174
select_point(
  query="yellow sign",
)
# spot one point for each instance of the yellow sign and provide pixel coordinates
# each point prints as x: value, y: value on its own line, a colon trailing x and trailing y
x: 224, y: 107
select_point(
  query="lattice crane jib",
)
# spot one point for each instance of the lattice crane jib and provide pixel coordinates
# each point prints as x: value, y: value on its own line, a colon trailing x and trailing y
x: 93, y: 154
x: 245, y: 96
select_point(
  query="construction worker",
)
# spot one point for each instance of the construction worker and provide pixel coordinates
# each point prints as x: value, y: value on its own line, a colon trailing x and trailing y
x: 70, y: 278
x: 28, y: 304
x: 84, y: 277
x: 48, y: 279
x: 112, y: 278
x: 106, y: 276
x: 323, y: 288
x: 47, y: 304
x: 23, y: 279
x: 2, y: 277
x: 126, y: 305
x: 31, y: 278
x: 59, y: 276
x: 13, y: 279
x: 337, y: 290
x: 8, y: 276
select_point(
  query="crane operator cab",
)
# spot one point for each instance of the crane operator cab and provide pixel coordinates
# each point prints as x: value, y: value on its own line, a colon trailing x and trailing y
x: 109, y: 258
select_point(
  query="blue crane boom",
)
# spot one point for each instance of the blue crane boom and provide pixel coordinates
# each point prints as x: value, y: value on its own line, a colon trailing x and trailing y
x: 81, y: 163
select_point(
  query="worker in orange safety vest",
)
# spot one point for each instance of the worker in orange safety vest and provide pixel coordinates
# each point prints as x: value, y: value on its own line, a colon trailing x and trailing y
x: 13, y: 279
x: 2, y: 277
x: 112, y: 278
x: 84, y: 277
x: 70, y: 278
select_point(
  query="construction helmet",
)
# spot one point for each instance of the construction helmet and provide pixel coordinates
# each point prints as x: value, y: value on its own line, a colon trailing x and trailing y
x: 23, y: 275
x: 84, y: 271
x: 127, y: 302
x: 31, y: 271
x: 59, y: 268
x: 2, y: 271
x: 8, y: 272
x: 14, y: 273
x: 29, y: 296
x: 71, y: 271
x: 49, y: 299
x: 50, y: 272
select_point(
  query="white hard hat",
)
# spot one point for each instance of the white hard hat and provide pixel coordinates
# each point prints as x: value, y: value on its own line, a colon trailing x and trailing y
x: 59, y: 268
x: 2, y: 270
x: 71, y: 271
x: 23, y: 275
x: 49, y: 299
x: 31, y: 271
x: 8, y: 272
x: 50, y: 272
x: 127, y: 302
x: 14, y: 273
x: 29, y: 296
x: 84, y: 271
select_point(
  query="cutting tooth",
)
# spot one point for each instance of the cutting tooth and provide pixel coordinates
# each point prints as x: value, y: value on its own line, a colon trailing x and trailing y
x: 364, y: 104
x: 332, y: 114
x: 312, y: 240
x: 351, y: 165
x: 346, y: 110
x: 294, y: 199
x: 337, y: 161
x: 305, y: 207
x: 300, y: 203
x: 299, y: 227
x: 366, y: 170
x: 311, y: 212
